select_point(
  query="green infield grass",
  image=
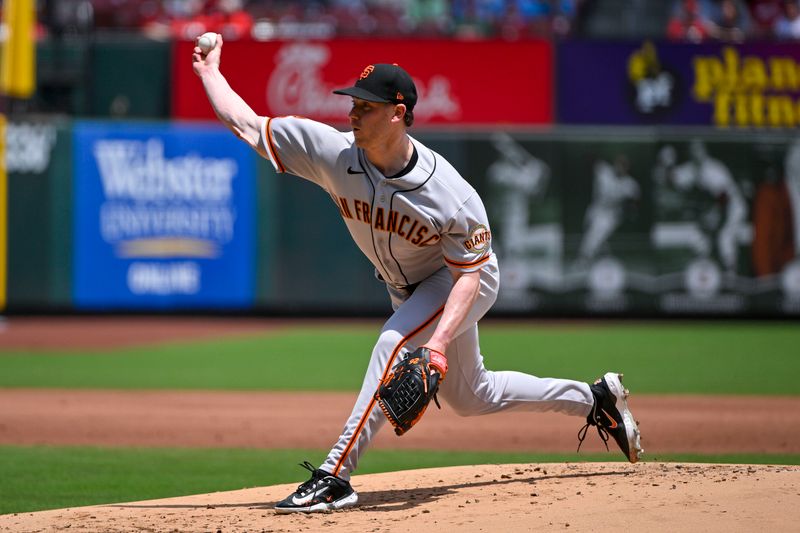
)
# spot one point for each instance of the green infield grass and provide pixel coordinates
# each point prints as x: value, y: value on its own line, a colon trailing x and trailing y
x: 38, y: 478
x: 667, y: 358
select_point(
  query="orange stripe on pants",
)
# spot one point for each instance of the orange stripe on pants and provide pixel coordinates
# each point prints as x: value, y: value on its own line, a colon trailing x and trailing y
x: 386, y: 370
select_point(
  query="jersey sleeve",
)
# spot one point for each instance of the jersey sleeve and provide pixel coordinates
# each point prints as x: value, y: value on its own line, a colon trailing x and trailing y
x: 303, y: 147
x: 467, y: 239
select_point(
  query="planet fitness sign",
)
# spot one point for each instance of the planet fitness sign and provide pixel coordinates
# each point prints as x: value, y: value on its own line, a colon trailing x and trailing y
x: 750, y: 85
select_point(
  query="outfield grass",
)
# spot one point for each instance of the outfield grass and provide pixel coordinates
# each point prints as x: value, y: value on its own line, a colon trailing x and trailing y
x: 38, y: 478
x: 672, y: 358
x: 667, y: 358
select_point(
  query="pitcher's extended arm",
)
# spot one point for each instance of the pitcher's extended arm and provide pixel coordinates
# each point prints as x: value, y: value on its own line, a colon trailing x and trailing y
x: 229, y: 106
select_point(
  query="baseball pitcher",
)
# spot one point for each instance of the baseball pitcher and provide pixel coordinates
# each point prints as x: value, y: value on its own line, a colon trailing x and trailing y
x: 425, y: 230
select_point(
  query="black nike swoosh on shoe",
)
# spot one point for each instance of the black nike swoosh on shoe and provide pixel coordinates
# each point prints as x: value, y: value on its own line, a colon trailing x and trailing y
x: 351, y: 171
x: 610, y: 419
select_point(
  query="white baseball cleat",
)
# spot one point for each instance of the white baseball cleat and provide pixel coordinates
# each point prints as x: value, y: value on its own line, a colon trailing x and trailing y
x: 610, y: 415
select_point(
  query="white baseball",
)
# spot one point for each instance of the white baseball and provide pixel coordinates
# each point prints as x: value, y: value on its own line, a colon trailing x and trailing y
x: 207, y: 41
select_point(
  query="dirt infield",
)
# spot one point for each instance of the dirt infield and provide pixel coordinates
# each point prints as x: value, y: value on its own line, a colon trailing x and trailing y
x: 487, y: 498
x: 585, y: 497
x: 270, y: 420
x: 703, y: 424
x: 103, y: 332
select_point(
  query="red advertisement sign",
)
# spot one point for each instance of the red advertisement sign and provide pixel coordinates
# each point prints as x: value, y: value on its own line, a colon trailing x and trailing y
x: 459, y: 83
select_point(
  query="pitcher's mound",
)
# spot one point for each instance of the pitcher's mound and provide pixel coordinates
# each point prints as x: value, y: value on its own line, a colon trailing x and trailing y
x: 526, y: 497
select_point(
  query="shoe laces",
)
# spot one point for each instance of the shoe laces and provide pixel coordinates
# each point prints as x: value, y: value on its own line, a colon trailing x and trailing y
x: 600, y: 431
x: 316, y: 476
x: 592, y: 421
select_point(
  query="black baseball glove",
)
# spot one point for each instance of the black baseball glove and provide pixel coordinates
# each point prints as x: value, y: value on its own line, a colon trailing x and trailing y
x: 407, y: 390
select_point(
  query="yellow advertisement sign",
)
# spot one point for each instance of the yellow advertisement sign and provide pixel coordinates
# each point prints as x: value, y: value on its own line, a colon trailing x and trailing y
x: 18, y: 60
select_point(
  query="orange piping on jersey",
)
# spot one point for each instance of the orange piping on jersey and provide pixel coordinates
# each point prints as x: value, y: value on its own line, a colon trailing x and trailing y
x: 272, y: 151
x: 467, y: 265
x: 386, y: 370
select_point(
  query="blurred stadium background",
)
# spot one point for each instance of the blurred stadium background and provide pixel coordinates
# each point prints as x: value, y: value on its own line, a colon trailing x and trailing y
x: 637, y: 158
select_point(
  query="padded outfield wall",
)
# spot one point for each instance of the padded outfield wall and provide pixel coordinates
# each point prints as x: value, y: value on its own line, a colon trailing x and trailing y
x: 670, y: 211
x: 638, y: 221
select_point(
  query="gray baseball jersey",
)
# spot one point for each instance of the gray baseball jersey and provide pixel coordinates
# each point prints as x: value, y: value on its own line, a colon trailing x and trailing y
x: 409, y: 226
x: 415, y: 228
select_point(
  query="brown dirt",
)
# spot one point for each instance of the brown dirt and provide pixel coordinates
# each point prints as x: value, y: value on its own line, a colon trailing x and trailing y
x: 596, y: 497
x: 103, y: 332
x: 489, y: 498
x: 270, y: 420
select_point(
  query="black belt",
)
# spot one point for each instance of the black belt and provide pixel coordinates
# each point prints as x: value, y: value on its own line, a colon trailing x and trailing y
x: 408, y: 288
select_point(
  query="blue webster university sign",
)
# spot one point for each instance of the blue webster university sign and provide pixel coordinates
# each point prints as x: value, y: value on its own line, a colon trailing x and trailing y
x: 164, y: 217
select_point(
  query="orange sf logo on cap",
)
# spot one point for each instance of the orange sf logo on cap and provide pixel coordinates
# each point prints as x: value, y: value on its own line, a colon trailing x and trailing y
x: 367, y: 71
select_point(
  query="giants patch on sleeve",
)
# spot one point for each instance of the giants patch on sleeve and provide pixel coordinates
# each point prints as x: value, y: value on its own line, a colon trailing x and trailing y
x: 479, y: 239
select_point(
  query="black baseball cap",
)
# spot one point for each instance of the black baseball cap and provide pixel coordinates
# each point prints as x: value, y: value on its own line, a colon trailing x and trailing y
x: 385, y: 83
